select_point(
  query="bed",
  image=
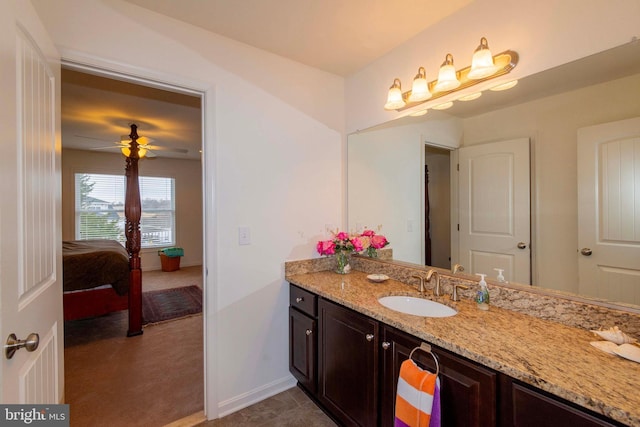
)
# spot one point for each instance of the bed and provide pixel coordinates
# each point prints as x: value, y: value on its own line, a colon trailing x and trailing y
x: 101, y: 276
x: 95, y: 278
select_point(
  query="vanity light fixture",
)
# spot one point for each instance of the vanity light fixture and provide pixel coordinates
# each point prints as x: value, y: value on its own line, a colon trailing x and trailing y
x: 395, y: 99
x: 504, y: 86
x: 419, y: 113
x: 447, y: 76
x: 420, y: 88
x: 482, y: 63
x: 484, y: 67
x: 443, y: 106
x: 470, y: 97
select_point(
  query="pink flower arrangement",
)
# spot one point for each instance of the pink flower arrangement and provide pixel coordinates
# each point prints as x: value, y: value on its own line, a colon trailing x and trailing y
x: 341, y: 242
x: 373, y: 242
x: 367, y: 241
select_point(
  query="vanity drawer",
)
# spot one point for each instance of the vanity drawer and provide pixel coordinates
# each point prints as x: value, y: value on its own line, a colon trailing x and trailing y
x: 303, y: 300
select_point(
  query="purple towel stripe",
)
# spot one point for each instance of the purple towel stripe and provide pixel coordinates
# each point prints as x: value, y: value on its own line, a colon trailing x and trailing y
x: 435, y: 421
x: 399, y: 423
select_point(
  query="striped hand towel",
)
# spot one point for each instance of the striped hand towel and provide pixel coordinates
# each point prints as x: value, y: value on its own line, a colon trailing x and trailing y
x: 418, y: 397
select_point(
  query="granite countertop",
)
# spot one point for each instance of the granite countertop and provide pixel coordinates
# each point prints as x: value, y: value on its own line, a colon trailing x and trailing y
x: 551, y: 356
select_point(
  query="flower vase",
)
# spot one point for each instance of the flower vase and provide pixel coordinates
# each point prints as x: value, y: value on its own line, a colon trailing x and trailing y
x: 342, y: 262
x: 372, y: 252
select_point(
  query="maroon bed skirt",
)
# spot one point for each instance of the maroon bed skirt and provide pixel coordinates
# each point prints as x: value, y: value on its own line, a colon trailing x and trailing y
x: 92, y: 303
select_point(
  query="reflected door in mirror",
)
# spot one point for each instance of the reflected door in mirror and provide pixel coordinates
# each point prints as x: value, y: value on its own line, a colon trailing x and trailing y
x: 609, y: 210
x: 494, y: 209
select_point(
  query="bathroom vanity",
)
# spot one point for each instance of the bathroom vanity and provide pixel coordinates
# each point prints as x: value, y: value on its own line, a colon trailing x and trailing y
x: 498, y: 368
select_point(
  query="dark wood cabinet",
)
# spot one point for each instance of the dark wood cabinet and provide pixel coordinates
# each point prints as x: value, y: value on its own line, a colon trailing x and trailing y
x: 523, y: 406
x: 303, y: 333
x: 348, y: 364
x: 468, y: 390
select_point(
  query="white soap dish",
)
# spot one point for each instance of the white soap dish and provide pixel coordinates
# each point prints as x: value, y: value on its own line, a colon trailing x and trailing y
x: 615, y: 335
x: 378, y: 278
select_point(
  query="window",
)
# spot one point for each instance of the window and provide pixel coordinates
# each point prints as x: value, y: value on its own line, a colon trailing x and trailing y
x: 100, y: 209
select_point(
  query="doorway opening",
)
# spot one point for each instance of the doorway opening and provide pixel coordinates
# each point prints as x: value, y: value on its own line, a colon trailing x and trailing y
x: 108, y: 375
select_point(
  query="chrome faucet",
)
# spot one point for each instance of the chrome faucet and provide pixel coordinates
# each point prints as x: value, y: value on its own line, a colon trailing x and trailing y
x: 456, y: 268
x: 430, y: 274
x: 421, y: 283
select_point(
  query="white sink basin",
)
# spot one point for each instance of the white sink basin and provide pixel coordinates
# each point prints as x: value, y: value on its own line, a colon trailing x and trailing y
x: 417, y: 306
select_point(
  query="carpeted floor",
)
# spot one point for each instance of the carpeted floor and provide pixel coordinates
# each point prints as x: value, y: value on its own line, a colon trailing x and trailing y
x: 112, y: 380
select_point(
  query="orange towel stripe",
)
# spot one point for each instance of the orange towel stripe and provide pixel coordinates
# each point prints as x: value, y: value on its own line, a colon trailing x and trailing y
x: 416, y: 379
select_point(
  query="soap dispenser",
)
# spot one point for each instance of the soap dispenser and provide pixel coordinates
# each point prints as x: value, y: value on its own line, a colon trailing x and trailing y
x: 500, y: 277
x: 482, y: 298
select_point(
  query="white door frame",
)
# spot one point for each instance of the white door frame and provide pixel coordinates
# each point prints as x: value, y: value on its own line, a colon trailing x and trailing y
x: 97, y: 66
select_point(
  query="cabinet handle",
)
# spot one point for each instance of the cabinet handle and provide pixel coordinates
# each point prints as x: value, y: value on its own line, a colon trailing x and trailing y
x: 386, y: 345
x: 299, y: 299
x: 308, y: 332
x: 369, y: 337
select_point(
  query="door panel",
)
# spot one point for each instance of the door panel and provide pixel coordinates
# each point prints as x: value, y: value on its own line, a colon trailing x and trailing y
x: 30, y: 262
x: 609, y: 210
x: 494, y: 209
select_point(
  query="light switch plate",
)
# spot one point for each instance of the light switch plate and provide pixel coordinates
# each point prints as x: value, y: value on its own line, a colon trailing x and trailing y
x: 244, y: 235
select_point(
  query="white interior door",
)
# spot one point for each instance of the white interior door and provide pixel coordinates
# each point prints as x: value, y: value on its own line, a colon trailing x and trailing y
x: 494, y: 209
x: 30, y: 238
x: 609, y: 211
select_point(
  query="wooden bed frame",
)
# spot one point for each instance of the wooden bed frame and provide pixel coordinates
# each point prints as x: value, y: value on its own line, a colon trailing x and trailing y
x: 132, y: 212
x: 103, y: 300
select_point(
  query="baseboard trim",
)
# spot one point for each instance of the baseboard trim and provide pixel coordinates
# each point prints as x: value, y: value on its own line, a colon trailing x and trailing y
x: 236, y: 403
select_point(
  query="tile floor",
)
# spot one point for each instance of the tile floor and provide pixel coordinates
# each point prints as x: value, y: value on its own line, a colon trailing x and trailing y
x: 291, y: 408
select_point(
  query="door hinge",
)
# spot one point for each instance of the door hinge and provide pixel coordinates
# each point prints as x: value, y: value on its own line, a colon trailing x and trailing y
x: 458, y: 167
x: 458, y: 227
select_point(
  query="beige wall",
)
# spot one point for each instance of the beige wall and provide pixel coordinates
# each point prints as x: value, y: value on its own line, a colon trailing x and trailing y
x: 552, y: 125
x: 188, y: 192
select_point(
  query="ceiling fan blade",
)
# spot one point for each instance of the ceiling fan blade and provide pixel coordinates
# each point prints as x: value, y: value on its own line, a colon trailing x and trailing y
x: 171, y: 149
x: 110, y: 147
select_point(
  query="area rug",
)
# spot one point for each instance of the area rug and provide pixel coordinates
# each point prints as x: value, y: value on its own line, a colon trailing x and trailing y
x: 169, y: 304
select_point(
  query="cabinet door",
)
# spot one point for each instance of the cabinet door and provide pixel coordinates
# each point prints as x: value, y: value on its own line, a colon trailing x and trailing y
x: 302, y: 349
x: 347, y: 364
x: 525, y: 407
x: 468, y: 391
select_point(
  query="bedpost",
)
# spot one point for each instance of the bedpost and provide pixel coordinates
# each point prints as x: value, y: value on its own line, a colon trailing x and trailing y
x: 132, y: 212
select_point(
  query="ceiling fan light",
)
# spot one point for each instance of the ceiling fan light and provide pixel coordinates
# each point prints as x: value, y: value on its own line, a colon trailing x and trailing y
x: 394, y: 97
x: 482, y: 63
x: 420, y: 88
x: 127, y: 151
x: 447, y: 76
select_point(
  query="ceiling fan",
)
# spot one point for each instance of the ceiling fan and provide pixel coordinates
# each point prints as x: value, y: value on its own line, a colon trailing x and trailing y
x: 146, y: 149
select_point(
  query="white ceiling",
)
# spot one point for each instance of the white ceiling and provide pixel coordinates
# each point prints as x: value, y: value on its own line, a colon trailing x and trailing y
x: 338, y: 36
x: 97, y: 111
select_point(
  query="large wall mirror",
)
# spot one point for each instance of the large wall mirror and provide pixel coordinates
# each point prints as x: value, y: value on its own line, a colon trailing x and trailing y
x: 401, y: 175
